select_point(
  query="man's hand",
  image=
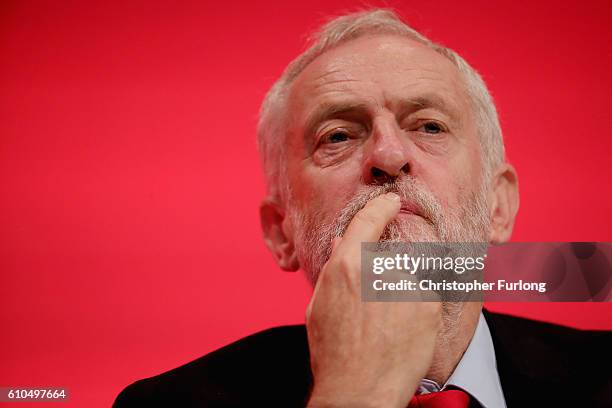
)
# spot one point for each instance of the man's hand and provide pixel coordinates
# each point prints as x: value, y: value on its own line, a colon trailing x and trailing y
x: 366, y: 353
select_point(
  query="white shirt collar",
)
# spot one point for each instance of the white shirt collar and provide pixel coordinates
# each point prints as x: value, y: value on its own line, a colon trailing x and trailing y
x: 477, y: 373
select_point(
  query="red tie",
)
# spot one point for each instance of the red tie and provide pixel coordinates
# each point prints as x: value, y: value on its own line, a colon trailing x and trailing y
x: 441, y: 399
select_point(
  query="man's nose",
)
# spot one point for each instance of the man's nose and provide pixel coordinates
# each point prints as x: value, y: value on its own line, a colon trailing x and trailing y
x: 389, y: 156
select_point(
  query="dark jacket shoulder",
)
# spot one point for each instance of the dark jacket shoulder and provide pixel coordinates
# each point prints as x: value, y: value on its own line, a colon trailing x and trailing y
x: 539, y: 364
x: 269, y: 368
x: 544, y: 364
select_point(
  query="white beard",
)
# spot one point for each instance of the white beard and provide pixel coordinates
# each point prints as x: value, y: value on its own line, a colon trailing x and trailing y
x: 314, y: 235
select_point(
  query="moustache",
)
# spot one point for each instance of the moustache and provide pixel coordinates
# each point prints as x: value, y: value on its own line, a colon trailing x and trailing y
x: 415, y: 199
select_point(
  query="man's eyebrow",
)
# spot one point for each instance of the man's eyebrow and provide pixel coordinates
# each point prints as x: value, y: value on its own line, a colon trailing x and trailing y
x: 428, y: 101
x: 406, y: 106
x: 329, y: 110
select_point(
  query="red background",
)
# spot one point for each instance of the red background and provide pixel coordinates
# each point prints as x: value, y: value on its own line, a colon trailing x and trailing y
x: 130, y: 240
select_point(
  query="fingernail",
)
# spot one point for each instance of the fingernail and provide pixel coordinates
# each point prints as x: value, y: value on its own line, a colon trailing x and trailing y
x: 392, y: 197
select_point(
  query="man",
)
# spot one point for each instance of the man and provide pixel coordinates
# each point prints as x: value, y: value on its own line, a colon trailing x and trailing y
x: 377, y: 134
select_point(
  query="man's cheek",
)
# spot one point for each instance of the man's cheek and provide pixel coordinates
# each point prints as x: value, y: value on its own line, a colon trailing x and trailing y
x: 448, y: 186
x: 334, y: 190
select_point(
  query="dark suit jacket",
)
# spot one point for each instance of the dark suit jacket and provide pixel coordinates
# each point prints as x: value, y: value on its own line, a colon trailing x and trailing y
x: 539, y: 364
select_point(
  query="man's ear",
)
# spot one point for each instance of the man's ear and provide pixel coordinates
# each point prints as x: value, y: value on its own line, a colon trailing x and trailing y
x: 278, y: 235
x: 504, y: 199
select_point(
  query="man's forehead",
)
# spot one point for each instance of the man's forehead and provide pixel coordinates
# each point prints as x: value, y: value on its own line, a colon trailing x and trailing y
x: 396, y: 63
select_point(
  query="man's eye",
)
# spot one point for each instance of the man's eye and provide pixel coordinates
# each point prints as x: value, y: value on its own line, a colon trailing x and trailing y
x: 336, y: 137
x: 431, y: 127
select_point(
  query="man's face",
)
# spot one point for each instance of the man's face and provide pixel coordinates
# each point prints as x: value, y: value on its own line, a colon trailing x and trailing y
x: 377, y: 114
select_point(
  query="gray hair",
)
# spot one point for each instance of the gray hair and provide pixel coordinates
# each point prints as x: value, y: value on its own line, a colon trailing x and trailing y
x: 273, y: 118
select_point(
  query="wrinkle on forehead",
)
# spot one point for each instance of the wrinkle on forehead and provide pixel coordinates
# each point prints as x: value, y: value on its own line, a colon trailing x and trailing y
x: 333, y: 82
x: 380, y: 69
x: 322, y: 77
x: 379, y: 51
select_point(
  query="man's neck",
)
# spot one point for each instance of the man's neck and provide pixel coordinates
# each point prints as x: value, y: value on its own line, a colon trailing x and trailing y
x: 458, y: 327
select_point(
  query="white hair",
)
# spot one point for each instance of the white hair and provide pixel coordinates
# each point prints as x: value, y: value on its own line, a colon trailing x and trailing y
x: 273, y: 118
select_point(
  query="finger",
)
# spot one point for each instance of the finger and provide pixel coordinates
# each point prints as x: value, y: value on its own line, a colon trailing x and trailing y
x: 309, y: 309
x: 336, y: 241
x: 369, y: 223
